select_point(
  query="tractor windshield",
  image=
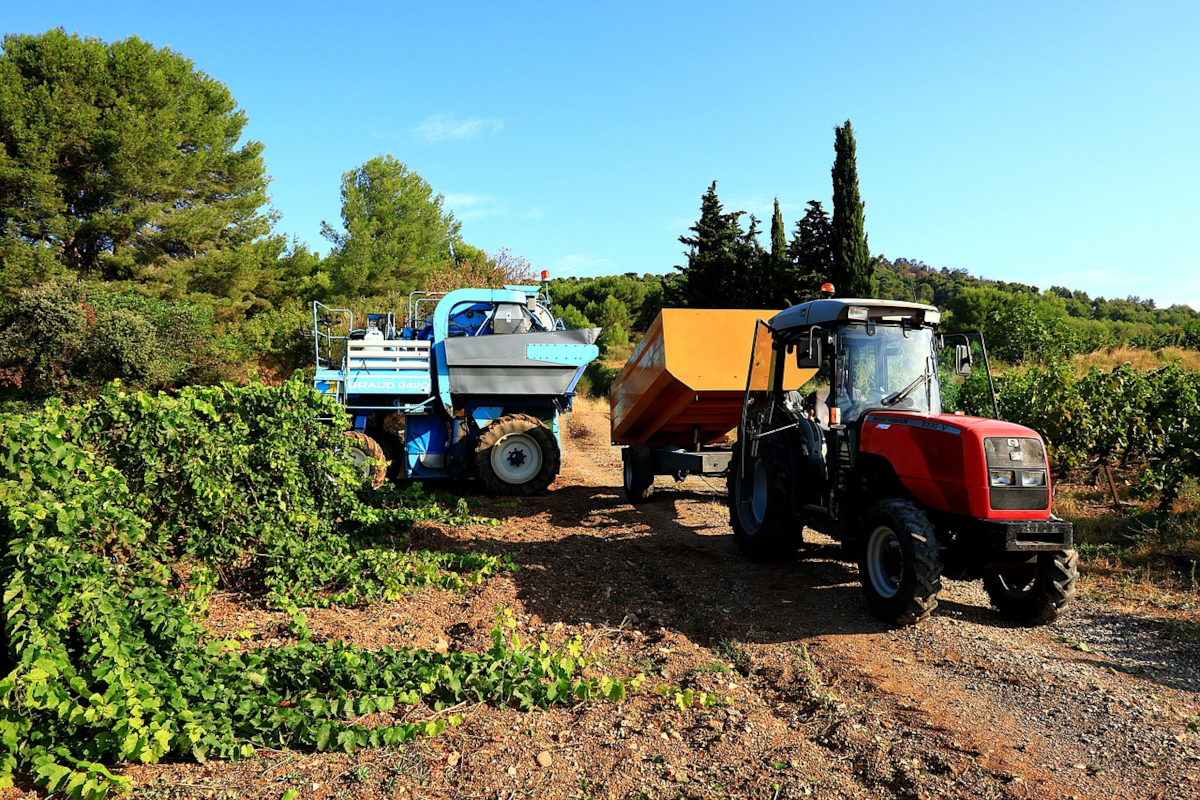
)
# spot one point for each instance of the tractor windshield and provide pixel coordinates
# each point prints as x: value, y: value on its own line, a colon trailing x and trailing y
x: 885, y: 367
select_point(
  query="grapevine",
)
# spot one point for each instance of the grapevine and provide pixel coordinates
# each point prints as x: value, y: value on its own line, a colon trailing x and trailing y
x: 99, y: 506
x: 1125, y: 416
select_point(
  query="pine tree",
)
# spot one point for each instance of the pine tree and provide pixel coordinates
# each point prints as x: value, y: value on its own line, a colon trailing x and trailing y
x: 121, y: 162
x: 750, y: 281
x: 396, y: 231
x: 711, y: 278
x: 811, y: 253
x: 853, y: 273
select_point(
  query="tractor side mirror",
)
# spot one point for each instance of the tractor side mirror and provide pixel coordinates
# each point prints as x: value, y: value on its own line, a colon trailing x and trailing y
x: 810, y: 354
x: 962, y: 359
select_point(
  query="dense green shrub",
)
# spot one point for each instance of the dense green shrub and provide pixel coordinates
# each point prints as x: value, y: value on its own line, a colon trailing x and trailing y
x: 597, y: 379
x: 66, y: 337
x: 281, y: 338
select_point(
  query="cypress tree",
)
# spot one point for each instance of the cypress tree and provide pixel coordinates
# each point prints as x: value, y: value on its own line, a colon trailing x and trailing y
x: 777, y: 275
x: 853, y: 272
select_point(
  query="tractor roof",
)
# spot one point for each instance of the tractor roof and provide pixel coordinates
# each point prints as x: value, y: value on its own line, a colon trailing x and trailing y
x: 833, y: 310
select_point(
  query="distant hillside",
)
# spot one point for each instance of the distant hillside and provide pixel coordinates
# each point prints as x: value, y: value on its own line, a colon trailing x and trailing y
x: 1022, y: 323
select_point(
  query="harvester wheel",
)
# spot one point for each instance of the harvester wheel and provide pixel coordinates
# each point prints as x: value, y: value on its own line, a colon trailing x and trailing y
x: 367, y: 455
x: 759, y: 508
x: 639, y: 473
x: 899, y: 564
x: 1037, y: 592
x: 517, y: 455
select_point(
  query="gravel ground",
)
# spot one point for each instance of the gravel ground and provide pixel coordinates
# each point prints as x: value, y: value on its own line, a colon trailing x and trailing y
x: 817, y: 699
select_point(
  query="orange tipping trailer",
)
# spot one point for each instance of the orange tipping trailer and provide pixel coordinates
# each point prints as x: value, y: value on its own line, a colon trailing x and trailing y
x: 680, y: 394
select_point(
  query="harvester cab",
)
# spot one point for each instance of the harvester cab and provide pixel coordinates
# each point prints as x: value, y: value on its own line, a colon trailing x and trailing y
x: 863, y: 451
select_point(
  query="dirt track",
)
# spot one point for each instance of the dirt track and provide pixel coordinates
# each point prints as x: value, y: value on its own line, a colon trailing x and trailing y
x: 1097, y: 705
x: 818, y: 699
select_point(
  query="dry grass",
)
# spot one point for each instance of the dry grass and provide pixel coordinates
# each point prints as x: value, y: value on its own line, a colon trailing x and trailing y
x: 590, y: 403
x: 1135, y: 558
x: 1137, y: 358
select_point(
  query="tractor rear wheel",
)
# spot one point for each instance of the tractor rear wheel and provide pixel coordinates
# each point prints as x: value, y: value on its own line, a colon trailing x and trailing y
x: 899, y: 564
x: 517, y: 456
x: 760, y: 507
x: 639, y: 473
x: 1034, y: 593
x: 368, y: 456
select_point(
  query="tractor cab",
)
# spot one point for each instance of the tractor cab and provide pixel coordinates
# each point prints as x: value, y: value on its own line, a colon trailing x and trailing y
x: 874, y: 355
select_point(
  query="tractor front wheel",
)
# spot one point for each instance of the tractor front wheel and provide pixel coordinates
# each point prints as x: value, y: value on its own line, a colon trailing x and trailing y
x: 1034, y: 593
x: 899, y: 564
x: 517, y: 455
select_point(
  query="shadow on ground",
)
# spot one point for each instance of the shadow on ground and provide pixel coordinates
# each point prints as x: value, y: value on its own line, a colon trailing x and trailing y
x: 642, y: 565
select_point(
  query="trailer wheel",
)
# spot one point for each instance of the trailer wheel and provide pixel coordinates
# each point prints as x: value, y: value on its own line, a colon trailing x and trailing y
x: 759, y: 507
x: 368, y: 456
x: 899, y: 564
x: 1035, y: 593
x: 517, y: 455
x: 639, y: 473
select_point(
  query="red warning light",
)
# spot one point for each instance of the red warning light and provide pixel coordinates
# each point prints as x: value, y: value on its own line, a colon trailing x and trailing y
x: 545, y: 274
x: 825, y: 287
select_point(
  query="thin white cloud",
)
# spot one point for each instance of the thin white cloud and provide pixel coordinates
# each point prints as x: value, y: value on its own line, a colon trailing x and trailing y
x: 476, y: 206
x: 447, y: 127
x: 757, y: 205
x: 471, y: 206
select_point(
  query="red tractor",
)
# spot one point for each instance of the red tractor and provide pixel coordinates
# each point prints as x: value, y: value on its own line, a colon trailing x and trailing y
x: 864, y: 453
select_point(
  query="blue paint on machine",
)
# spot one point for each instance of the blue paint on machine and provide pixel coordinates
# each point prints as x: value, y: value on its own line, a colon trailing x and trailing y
x: 475, y: 382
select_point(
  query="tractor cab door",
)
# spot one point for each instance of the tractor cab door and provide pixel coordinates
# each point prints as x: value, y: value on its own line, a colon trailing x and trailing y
x: 756, y: 405
x: 776, y: 434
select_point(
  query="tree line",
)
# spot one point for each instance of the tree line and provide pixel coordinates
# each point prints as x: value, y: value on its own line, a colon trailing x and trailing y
x: 137, y: 242
x: 727, y: 267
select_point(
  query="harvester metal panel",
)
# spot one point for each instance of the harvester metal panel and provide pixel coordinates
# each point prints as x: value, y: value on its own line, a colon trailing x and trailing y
x: 683, y: 384
x: 540, y: 363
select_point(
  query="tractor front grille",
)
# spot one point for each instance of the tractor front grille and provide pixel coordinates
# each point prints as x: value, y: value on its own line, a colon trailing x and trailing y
x: 1020, y: 499
x: 1018, y: 474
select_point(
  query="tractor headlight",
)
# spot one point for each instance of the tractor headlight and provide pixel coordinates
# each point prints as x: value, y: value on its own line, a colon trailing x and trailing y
x: 1030, y: 478
x: 1002, y: 477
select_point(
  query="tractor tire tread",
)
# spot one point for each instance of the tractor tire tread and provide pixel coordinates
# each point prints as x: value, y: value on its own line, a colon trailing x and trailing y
x: 638, y: 473
x: 778, y: 538
x: 371, y: 448
x: 1054, y: 587
x: 920, y: 600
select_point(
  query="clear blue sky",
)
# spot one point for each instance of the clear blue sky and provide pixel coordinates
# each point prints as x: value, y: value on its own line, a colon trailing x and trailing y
x: 1044, y: 142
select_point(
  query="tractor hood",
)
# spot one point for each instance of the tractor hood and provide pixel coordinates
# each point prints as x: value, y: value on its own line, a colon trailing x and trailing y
x: 984, y: 468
